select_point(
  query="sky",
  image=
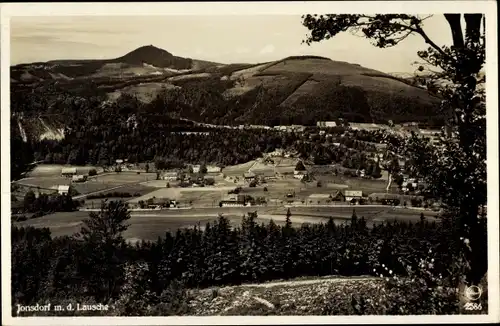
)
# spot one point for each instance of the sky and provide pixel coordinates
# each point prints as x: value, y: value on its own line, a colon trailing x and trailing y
x: 223, y: 39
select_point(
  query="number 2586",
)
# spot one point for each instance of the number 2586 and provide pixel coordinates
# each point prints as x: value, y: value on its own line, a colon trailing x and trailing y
x: 470, y: 306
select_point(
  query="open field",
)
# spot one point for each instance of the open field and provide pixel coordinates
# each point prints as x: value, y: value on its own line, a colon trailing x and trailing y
x: 131, y: 189
x: 198, y: 197
x: 277, y: 189
x: 148, y: 225
x: 125, y: 177
x: 368, y: 186
x: 48, y: 170
x: 44, y: 182
x: 238, y: 170
x: 49, y: 176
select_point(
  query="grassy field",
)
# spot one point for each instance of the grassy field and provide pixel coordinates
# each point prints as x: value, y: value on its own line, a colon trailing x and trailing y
x: 49, y: 176
x: 197, y: 197
x: 237, y: 170
x: 149, y: 225
x: 131, y: 189
x: 54, y: 170
x: 44, y: 182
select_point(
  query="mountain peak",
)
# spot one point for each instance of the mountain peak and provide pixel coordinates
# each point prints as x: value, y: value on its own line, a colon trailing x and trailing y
x: 148, y: 51
x: 155, y: 56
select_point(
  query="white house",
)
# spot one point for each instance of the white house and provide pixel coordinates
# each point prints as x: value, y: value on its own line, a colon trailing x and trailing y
x: 233, y: 201
x: 196, y: 168
x: 410, y: 181
x: 63, y: 189
x: 170, y: 176
x: 67, y: 172
x: 299, y: 174
x: 353, y: 194
x: 79, y: 178
x: 326, y: 124
x: 213, y: 169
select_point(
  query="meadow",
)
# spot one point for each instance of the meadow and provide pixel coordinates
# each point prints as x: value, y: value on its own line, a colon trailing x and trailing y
x: 148, y: 225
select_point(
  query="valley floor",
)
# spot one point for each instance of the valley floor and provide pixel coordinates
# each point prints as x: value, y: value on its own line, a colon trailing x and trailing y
x: 149, y: 225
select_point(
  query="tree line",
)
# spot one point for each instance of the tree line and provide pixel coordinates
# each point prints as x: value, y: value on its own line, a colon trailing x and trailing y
x: 93, y: 264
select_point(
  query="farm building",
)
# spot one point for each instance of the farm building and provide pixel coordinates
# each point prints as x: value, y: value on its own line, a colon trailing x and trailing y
x: 326, y: 124
x: 213, y: 169
x: 266, y: 175
x: 409, y: 184
x: 159, y: 203
x: 299, y: 174
x: 63, y: 189
x: 337, y: 196
x: 353, y: 194
x: 249, y: 176
x: 277, y: 152
x: 68, y: 172
x: 296, y: 128
x: 368, y: 126
x: 79, y: 178
x: 280, y: 128
x: 233, y: 201
x: 170, y: 176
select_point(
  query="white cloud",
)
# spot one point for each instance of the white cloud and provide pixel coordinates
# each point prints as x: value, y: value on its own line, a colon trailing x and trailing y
x: 267, y: 49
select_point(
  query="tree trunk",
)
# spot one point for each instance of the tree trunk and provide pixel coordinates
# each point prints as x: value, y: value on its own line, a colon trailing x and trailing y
x: 473, y: 27
x: 456, y: 29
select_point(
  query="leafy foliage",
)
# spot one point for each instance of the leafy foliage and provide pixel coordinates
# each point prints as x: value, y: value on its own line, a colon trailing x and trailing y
x: 456, y: 169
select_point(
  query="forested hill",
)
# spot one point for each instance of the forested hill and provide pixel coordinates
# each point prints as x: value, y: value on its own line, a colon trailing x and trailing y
x: 294, y: 90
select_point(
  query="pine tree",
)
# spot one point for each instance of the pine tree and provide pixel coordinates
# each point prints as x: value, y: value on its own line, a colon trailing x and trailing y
x: 288, y: 221
x: 354, y: 217
x: 103, y: 243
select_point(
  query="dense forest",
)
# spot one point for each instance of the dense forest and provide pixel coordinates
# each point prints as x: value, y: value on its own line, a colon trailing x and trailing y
x: 99, y: 133
x: 151, y: 278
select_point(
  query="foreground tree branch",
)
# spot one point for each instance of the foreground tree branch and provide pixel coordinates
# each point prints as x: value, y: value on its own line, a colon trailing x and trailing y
x: 456, y: 169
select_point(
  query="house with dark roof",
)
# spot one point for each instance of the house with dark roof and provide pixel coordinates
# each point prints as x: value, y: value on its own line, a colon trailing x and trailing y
x: 249, y: 176
x: 337, y: 196
x: 233, y: 200
x: 266, y: 175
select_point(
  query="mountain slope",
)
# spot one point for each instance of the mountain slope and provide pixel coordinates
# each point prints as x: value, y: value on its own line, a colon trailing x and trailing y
x: 294, y: 90
x: 146, y: 55
x: 301, y: 90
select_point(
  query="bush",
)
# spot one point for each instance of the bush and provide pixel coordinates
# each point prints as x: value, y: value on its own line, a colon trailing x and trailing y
x: 209, y: 181
x: 236, y: 191
x: 92, y: 172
